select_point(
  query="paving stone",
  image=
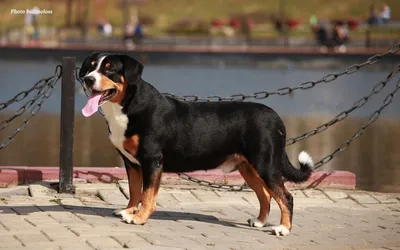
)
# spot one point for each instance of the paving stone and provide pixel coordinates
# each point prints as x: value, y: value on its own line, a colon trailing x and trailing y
x: 18, y: 224
x: 336, y: 195
x: 41, y: 191
x: 17, y: 190
x: 60, y: 233
x: 206, y: 196
x: 9, y: 242
x: 124, y: 186
x: 297, y: 193
x: 32, y: 239
x: 27, y: 210
x: 162, y: 240
x: 113, y: 196
x: 213, y: 220
x: 82, y: 189
x: 185, y: 197
x: 363, y: 198
x: 314, y: 193
x: 166, y: 200
x: 102, y: 242
x: 386, y: 198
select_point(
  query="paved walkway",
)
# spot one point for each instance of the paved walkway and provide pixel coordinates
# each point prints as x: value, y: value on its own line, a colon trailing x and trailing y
x: 191, y: 217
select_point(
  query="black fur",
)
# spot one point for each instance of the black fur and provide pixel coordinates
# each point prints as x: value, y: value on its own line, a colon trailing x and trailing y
x: 180, y: 136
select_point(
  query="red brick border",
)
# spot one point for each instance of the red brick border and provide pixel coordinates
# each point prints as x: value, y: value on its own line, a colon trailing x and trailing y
x: 10, y: 176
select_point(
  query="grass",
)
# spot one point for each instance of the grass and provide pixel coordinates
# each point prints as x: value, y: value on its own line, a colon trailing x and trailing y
x: 58, y: 201
x: 166, y: 12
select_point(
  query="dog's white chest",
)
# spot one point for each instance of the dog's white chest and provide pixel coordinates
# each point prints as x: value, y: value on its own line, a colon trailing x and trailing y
x: 117, y: 122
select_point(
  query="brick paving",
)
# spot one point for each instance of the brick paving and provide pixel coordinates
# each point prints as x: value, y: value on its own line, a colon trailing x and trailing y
x: 193, y: 217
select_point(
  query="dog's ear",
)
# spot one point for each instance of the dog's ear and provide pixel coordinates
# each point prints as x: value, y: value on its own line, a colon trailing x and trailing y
x: 132, y: 69
x: 86, y: 64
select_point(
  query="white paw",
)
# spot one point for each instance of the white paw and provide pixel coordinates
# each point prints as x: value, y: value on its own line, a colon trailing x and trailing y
x: 117, y: 212
x: 281, y: 230
x: 126, y: 217
x: 255, y: 222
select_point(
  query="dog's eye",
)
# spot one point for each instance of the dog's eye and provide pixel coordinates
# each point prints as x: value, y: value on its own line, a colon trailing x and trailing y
x: 109, y: 69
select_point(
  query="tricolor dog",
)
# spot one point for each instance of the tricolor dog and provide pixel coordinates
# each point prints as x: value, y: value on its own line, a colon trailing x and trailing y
x: 155, y: 133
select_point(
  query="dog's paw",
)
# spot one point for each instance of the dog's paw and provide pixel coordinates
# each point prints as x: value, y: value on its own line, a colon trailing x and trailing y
x: 281, y: 230
x: 255, y: 222
x: 117, y: 212
x: 132, y: 218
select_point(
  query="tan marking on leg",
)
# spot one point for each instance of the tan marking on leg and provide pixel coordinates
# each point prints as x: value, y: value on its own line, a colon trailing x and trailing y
x: 279, y: 197
x: 254, y: 181
x: 135, y: 181
x: 148, y: 202
x: 131, y: 144
x: 135, y: 189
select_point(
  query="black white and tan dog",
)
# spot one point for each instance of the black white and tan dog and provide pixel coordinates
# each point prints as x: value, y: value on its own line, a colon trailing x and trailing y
x: 155, y: 133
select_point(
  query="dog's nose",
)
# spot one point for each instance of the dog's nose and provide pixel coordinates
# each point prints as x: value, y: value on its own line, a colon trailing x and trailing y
x: 89, y: 81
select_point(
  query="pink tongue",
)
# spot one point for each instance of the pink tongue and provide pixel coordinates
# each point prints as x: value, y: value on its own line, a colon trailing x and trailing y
x: 92, y: 105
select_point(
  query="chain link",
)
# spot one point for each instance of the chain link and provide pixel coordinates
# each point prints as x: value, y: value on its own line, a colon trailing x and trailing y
x: 23, y: 94
x: 46, y: 87
x: 288, y: 90
x: 372, y: 119
x: 234, y: 188
x: 342, y: 115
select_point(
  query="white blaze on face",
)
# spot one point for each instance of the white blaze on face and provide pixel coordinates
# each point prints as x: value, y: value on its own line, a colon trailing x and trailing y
x: 92, y: 105
x: 96, y: 74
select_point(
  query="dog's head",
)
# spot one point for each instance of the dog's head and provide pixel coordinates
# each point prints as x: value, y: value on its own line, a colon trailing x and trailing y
x: 106, y: 77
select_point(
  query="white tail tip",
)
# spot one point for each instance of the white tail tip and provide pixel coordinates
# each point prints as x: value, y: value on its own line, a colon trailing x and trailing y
x: 305, y: 158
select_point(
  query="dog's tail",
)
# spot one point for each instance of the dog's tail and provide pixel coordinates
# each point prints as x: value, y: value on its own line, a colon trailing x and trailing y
x: 298, y: 175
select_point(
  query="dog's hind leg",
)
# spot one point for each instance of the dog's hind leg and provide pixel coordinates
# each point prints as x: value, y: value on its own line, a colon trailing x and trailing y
x: 254, y: 181
x: 285, y: 202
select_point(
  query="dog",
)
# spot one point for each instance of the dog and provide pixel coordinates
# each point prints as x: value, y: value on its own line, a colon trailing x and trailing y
x: 156, y: 133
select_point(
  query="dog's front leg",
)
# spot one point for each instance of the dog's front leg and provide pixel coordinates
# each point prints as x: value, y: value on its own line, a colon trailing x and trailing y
x: 135, y: 182
x: 135, y: 190
x: 152, y: 172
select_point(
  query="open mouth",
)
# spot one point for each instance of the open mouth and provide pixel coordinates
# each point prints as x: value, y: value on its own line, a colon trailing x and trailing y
x: 96, y: 99
x: 105, y: 95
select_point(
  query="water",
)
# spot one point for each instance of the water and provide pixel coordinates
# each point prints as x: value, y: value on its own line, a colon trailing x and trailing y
x: 374, y: 157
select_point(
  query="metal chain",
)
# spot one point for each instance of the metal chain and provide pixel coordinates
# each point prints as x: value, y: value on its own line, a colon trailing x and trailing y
x: 37, y: 86
x: 27, y: 105
x: 23, y: 94
x: 323, y: 161
x: 288, y: 90
x: 41, y: 96
x: 342, y: 115
x: 374, y: 116
x: 213, y: 185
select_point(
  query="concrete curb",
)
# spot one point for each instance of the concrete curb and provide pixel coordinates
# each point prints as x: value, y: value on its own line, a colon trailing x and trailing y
x: 11, y: 176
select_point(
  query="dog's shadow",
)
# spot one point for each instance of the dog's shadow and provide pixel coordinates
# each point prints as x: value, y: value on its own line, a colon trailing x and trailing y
x: 161, y: 214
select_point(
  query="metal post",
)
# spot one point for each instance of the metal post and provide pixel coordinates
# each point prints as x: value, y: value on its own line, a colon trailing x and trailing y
x: 67, y: 124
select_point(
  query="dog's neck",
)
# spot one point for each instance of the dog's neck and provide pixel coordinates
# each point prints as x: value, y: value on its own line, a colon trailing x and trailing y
x: 140, y: 97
